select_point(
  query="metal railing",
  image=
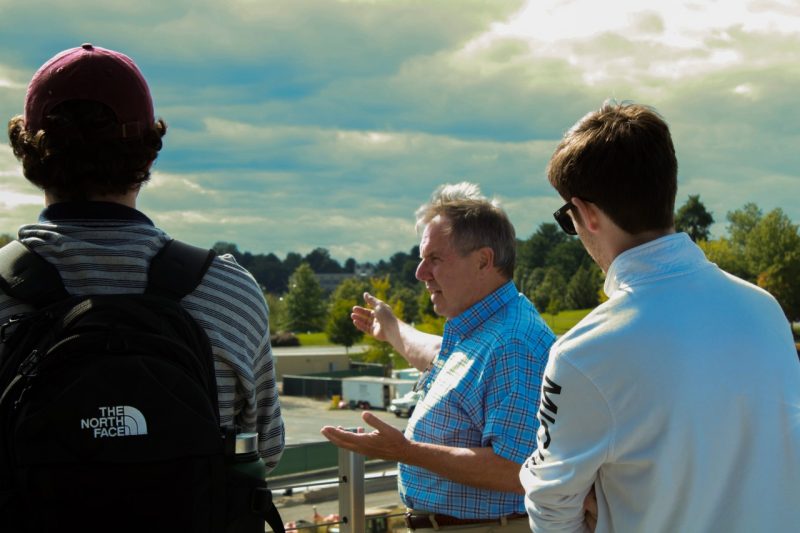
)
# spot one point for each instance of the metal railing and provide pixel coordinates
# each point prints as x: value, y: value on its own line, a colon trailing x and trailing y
x: 351, y: 491
x: 351, y: 481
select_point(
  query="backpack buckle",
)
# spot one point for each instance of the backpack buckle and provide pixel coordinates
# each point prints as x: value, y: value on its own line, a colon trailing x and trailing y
x: 26, y: 368
x: 12, y: 320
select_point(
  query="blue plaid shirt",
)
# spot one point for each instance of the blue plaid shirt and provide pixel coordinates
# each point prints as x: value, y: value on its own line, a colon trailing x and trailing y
x: 483, y: 391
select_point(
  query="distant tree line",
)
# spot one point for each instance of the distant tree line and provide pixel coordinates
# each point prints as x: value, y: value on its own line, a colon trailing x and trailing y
x: 273, y: 273
x: 553, y: 270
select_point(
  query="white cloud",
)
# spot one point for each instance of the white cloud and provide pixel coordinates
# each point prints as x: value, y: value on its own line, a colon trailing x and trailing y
x: 325, y: 123
x: 10, y: 198
x: 20, y: 202
x: 625, y: 39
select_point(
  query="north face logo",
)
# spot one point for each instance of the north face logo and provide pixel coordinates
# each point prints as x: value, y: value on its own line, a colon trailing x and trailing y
x: 116, y: 421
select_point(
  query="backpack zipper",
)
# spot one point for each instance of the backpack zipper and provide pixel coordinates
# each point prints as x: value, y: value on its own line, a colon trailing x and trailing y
x: 28, y: 372
x: 12, y: 320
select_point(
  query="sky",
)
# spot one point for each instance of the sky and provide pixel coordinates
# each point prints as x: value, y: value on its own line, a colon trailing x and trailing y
x: 297, y: 124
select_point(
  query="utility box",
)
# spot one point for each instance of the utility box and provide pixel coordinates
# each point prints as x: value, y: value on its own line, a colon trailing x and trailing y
x: 370, y: 392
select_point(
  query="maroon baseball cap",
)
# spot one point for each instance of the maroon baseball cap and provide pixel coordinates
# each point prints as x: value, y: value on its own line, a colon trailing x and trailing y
x: 91, y: 73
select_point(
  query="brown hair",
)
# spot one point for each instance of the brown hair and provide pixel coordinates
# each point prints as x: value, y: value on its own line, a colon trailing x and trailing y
x: 73, y: 158
x: 621, y: 158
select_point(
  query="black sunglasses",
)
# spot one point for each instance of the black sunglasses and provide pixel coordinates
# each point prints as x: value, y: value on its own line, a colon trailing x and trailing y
x: 564, y: 220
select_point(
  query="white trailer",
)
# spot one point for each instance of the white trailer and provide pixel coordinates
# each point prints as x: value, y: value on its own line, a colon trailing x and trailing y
x: 373, y: 392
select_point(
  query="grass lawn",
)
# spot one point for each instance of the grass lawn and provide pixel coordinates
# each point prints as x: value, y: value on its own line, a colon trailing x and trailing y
x: 559, y: 323
x: 314, y: 339
x: 563, y: 321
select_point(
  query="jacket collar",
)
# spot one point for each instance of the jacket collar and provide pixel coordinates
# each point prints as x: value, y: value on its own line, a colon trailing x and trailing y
x: 668, y: 256
x: 87, y: 210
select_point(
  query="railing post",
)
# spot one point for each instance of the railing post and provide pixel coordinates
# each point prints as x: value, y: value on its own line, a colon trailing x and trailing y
x: 351, y: 491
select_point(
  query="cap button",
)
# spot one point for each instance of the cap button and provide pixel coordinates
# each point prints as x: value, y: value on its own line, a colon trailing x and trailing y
x: 87, y: 46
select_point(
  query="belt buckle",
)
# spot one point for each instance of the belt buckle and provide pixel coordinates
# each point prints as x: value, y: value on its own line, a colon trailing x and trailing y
x: 411, y: 524
x: 407, y: 518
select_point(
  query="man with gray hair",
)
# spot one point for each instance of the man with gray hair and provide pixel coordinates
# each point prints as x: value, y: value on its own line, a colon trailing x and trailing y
x: 469, y: 434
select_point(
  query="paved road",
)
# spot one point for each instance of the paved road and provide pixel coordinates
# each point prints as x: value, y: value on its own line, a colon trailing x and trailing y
x: 303, y: 418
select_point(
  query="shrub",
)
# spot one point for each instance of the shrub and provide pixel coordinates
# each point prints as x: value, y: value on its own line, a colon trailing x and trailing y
x: 284, y: 338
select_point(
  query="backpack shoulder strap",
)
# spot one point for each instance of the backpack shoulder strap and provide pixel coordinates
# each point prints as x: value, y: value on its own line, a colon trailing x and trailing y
x: 29, y: 277
x: 177, y: 269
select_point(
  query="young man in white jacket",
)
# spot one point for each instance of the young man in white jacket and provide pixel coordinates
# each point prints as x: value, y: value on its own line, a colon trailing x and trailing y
x: 678, y: 400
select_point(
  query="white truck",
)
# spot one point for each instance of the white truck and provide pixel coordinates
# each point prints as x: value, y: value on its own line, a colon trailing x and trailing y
x: 404, y: 406
x: 370, y: 392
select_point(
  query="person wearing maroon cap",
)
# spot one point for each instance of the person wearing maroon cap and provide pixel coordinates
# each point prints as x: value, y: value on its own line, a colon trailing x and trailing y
x: 88, y: 138
x: 88, y: 131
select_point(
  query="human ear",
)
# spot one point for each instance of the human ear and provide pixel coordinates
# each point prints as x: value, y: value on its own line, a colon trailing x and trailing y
x: 587, y: 214
x: 485, y: 258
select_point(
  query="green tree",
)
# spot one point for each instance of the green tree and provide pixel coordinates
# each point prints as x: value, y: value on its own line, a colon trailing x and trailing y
x: 763, y: 249
x: 567, y: 257
x: 401, y: 268
x: 533, y: 280
x: 781, y: 281
x: 730, y: 253
x: 583, y: 288
x: 339, y: 327
x: 521, y: 276
x: 424, y: 304
x: 533, y: 252
x: 5, y: 238
x: 320, y: 261
x: 277, y: 313
x: 770, y: 241
x: 548, y: 296
x: 773, y: 255
x: 741, y: 222
x: 405, y: 302
x: 351, y: 289
x: 305, y: 306
x: 694, y: 219
x: 270, y: 272
x: 292, y: 261
x: 379, y: 351
x: 222, y: 248
x: 548, y: 247
x: 725, y: 255
x: 432, y: 324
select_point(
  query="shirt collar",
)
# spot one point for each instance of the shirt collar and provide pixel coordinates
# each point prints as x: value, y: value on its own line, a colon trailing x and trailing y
x: 463, y: 324
x: 666, y: 256
x: 87, y: 210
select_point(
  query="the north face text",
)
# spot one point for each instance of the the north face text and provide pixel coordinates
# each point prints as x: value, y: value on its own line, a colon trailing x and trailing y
x: 116, y: 421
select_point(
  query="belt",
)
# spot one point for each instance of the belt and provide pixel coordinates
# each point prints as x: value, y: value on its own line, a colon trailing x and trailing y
x: 435, y: 521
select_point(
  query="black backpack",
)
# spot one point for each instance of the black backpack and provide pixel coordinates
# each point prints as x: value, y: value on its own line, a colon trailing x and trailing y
x: 108, y: 409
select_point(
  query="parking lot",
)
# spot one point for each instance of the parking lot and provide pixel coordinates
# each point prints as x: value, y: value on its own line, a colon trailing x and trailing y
x: 304, y: 417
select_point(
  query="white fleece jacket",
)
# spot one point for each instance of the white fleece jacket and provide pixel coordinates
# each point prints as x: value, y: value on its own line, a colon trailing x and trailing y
x: 678, y: 399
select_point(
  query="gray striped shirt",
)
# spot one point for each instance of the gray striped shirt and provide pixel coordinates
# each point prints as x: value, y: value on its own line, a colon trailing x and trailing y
x: 105, y: 248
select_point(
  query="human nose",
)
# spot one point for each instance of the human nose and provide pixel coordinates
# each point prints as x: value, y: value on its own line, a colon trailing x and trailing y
x: 423, y: 273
